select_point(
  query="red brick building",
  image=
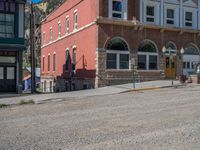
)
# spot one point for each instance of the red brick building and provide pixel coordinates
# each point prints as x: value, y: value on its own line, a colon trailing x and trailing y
x: 93, y: 43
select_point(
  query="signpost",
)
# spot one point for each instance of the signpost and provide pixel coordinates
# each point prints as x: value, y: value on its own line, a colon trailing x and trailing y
x: 133, y: 71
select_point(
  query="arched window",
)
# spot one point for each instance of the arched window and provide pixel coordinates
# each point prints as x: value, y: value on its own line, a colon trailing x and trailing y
x: 147, y: 56
x: 117, y: 54
x: 191, y: 58
x: 191, y: 49
x: 171, y: 45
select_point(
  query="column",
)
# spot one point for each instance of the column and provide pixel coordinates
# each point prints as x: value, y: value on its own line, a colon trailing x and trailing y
x: 198, y: 16
x: 141, y: 11
x: 181, y: 13
x: 161, y: 12
x: 144, y: 10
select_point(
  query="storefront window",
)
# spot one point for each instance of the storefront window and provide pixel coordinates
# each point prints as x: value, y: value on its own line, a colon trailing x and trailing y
x: 4, y: 59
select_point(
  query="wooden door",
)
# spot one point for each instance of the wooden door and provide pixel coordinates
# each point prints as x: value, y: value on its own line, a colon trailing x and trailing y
x: 170, y: 71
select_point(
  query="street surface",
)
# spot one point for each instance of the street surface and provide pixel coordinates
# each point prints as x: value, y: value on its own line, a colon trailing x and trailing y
x: 149, y: 120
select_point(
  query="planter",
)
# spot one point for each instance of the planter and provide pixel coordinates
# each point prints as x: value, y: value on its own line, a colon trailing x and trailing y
x: 182, y: 78
x: 195, y: 78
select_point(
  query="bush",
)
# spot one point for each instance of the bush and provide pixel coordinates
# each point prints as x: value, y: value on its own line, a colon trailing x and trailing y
x: 22, y: 102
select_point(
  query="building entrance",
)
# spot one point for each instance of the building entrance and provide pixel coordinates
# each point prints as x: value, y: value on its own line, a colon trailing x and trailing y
x: 170, y: 71
x: 7, y: 78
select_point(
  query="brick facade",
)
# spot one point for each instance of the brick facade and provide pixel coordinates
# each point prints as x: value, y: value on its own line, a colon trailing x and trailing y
x: 95, y: 31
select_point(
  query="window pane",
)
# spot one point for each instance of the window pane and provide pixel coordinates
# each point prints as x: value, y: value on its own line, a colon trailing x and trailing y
x: 153, y: 62
x: 150, y: 19
x: 4, y: 59
x: 74, y: 60
x: 150, y: 11
x: 11, y: 73
x: 184, y: 65
x: 7, y: 25
x: 1, y: 73
x: 117, y: 6
x: 124, y: 61
x: 12, y: 7
x: 188, y: 16
x: 142, y: 62
x: 67, y: 60
x: 116, y: 15
x: 170, y: 21
x: 170, y: 13
x: 48, y: 62
x: 1, y: 6
x: 111, y: 61
x: 188, y: 24
x: 9, y: 18
x: 188, y: 65
x: 54, y: 62
x: 2, y: 17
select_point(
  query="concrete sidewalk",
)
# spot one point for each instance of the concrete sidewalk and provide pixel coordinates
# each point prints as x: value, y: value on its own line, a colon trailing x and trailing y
x: 42, y: 98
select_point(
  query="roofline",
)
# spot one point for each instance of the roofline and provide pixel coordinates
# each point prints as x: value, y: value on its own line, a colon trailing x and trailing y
x: 43, y: 20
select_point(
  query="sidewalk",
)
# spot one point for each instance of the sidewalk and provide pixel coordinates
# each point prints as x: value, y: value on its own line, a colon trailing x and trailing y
x: 42, y: 98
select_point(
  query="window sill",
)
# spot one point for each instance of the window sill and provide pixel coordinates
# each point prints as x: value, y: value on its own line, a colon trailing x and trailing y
x: 149, y: 70
x: 122, y: 70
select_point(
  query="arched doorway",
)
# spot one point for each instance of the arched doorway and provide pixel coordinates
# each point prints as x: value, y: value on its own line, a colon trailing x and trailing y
x: 117, y: 54
x: 170, y: 71
x: 191, y: 58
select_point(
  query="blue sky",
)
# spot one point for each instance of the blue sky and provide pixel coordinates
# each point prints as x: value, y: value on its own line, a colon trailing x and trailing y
x: 36, y: 1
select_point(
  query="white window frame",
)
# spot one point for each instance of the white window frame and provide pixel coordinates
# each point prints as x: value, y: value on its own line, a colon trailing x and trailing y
x: 67, y: 51
x: 156, y: 16
x: 75, y: 20
x: 67, y: 24
x: 51, y: 34
x: 194, y: 17
x: 59, y: 29
x: 49, y: 62
x: 147, y: 54
x: 124, y: 11
x: 54, y: 61
x: 43, y: 63
x: 117, y: 52
x: 176, y: 14
x: 44, y: 38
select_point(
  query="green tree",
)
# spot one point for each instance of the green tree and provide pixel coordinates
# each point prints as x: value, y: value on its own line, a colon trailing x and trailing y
x: 52, y: 5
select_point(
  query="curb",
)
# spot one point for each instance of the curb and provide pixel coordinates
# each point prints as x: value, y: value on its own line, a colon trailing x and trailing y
x: 152, y: 88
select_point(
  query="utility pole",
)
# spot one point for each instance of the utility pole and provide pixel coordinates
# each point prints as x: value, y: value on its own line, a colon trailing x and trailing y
x: 32, y: 49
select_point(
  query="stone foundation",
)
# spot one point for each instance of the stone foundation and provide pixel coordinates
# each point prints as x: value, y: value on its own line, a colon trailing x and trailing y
x: 51, y: 84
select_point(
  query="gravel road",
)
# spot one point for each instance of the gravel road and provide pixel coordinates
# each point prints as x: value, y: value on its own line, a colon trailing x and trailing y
x: 159, y: 119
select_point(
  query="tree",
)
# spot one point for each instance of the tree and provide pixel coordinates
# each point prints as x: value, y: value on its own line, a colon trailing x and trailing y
x: 52, y: 5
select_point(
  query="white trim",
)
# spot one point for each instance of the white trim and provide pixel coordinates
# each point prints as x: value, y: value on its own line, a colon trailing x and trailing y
x: 156, y: 6
x: 181, y: 14
x: 67, y: 26
x: 161, y: 12
x: 74, y: 47
x: 141, y: 11
x: 67, y: 35
x: 75, y: 10
x: 51, y: 34
x: 75, y: 20
x: 118, y: 53
x: 194, y: 17
x: 198, y: 14
x: 124, y: 12
x: 176, y: 16
x: 147, y: 54
x: 59, y: 29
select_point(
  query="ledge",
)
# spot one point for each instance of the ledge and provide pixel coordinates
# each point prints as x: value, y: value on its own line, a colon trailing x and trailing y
x: 140, y: 26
